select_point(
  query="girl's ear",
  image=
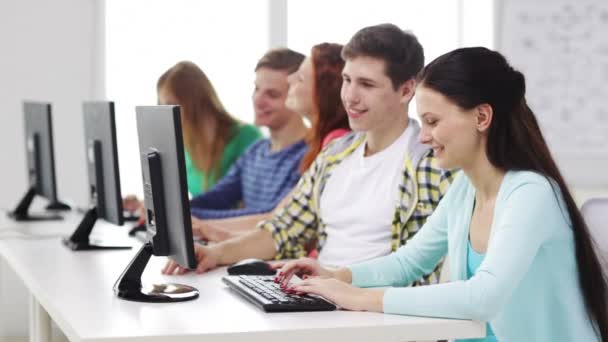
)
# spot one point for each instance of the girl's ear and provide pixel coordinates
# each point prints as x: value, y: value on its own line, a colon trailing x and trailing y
x: 484, y: 113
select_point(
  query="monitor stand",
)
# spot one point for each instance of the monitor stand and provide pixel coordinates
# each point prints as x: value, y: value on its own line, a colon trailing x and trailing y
x: 57, y: 205
x: 129, y: 286
x: 79, y: 240
x: 21, y: 211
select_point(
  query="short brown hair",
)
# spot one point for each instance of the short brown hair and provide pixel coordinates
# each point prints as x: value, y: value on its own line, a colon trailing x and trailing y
x: 283, y: 59
x: 400, y: 50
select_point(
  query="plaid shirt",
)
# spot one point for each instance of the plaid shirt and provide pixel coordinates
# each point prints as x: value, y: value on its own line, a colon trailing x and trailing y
x: 297, y: 224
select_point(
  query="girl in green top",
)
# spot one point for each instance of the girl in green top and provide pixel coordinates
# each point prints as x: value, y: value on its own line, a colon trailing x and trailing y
x: 213, y: 138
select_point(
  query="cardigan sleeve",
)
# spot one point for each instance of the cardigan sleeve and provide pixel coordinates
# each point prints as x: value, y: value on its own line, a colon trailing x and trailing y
x: 524, y: 218
x: 416, y: 258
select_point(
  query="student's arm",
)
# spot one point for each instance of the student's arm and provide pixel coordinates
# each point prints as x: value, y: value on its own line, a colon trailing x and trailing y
x: 409, y: 263
x: 213, y: 231
x: 225, y: 194
x: 529, y: 213
x: 251, y: 216
x: 227, y: 228
x: 255, y: 244
x: 258, y: 211
x: 218, y: 214
x: 260, y: 208
x: 420, y: 255
x: 413, y: 260
x: 239, y: 224
x: 283, y: 236
x: 294, y: 224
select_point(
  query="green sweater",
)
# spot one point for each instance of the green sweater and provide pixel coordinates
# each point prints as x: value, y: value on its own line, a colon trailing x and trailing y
x: 198, y: 180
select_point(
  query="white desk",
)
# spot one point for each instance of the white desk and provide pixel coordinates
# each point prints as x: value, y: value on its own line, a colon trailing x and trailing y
x: 74, y: 289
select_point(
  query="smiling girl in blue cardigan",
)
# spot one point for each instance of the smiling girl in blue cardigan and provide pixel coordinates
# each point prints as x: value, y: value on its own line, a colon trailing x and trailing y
x: 520, y: 254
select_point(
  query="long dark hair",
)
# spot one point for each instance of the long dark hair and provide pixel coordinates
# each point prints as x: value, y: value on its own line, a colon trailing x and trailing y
x: 329, y: 113
x: 473, y: 76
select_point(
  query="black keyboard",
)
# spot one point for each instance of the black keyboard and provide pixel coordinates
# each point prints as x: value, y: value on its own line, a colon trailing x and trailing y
x: 266, y: 294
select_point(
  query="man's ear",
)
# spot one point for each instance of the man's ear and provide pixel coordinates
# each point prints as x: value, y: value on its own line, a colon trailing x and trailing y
x: 407, y: 90
x: 484, y: 115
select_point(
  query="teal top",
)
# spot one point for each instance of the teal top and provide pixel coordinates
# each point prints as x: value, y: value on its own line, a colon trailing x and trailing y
x: 527, y: 284
x: 474, y: 259
x: 199, y: 181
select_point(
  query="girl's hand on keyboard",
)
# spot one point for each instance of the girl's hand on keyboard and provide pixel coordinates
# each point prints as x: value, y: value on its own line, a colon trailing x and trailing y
x: 303, y: 267
x: 344, y: 295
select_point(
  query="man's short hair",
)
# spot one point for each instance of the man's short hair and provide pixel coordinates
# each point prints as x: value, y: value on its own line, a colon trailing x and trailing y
x: 400, y: 50
x: 282, y: 59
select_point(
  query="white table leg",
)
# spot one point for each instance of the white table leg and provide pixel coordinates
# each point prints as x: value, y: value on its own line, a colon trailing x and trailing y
x: 40, y: 322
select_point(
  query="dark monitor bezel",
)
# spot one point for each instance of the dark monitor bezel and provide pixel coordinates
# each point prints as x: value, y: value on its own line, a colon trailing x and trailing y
x: 159, y: 130
x: 103, y: 186
x: 37, y: 118
x: 39, y: 163
x: 100, y: 125
x: 168, y: 222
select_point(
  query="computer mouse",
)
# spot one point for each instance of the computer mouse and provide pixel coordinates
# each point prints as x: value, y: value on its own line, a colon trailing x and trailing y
x: 251, y: 267
x: 139, y: 227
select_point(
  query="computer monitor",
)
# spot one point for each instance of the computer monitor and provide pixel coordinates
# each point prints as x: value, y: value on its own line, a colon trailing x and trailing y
x: 105, y: 200
x: 169, y: 227
x: 40, y: 163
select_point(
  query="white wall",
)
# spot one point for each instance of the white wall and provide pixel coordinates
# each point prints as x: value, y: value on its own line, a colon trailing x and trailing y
x: 135, y: 59
x: 50, y: 51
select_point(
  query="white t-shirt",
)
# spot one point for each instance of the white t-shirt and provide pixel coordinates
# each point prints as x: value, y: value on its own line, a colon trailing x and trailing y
x: 358, y: 204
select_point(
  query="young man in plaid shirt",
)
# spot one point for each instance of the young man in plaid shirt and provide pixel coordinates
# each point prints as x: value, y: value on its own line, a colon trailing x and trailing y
x: 366, y: 193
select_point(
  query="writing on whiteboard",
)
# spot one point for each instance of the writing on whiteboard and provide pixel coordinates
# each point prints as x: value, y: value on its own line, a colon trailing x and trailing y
x: 562, y: 49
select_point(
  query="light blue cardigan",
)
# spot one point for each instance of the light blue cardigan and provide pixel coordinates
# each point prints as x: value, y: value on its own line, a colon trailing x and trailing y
x: 526, y: 287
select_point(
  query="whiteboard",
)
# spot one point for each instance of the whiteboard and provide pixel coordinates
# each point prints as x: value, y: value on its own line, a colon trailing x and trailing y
x: 562, y: 49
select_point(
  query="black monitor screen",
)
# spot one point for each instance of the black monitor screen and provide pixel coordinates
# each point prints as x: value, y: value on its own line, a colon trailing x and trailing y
x: 103, y: 178
x: 169, y: 228
x: 40, y: 164
x: 102, y: 160
x: 164, y: 179
x: 39, y: 148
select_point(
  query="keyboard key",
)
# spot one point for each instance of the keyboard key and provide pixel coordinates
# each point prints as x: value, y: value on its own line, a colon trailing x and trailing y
x: 275, y: 299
